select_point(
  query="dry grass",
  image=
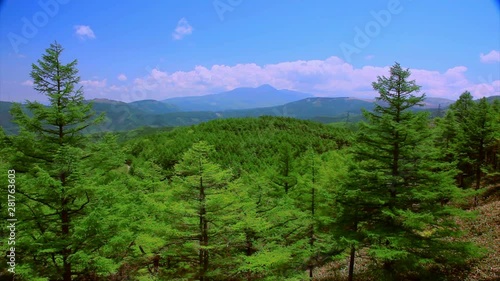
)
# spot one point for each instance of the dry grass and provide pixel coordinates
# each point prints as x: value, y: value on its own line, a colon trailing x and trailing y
x: 338, y: 270
x: 485, y: 232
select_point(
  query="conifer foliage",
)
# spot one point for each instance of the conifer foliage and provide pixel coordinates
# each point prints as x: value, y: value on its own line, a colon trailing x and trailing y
x: 393, y: 202
x: 268, y: 198
x: 475, y: 135
x: 205, y: 213
x: 56, y: 164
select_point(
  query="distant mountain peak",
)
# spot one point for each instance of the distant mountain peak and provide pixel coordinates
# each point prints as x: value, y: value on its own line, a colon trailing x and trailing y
x: 266, y: 87
x: 239, y: 98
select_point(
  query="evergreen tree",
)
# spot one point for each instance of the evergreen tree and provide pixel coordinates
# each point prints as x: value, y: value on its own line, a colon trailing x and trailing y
x: 445, y: 135
x: 392, y: 201
x: 481, y: 137
x: 463, y: 109
x: 285, y: 177
x: 56, y: 163
x: 470, y: 131
x: 143, y: 200
x: 206, y: 218
x: 319, y: 179
x: 313, y: 212
x: 493, y: 152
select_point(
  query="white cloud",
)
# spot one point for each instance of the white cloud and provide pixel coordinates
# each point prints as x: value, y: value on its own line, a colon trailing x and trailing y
x: 183, y: 28
x: 100, y: 89
x: 491, y: 57
x: 27, y: 83
x: 331, y: 77
x: 115, y: 88
x: 369, y: 57
x: 94, y: 83
x: 485, y: 88
x: 122, y: 77
x: 84, y: 32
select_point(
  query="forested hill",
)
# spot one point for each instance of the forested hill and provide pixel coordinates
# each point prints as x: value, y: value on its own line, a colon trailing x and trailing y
x: 242, y: 143
x: 270, y: 153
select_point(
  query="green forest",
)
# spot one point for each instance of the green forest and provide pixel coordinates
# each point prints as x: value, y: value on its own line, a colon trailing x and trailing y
x: 402, y: 195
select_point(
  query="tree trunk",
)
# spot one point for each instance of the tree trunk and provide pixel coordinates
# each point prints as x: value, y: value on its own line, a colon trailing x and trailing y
x: 353, y: 249
x: 65, y: 223
x: 65, y: 252
x: 395, y: 166
x: 478, y: 169
x: 203, y: 252
x: 313, y: 207
x: 351, y: 263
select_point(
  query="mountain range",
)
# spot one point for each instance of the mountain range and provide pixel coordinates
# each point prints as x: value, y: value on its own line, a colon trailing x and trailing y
x: 239, y: 98
x: 240, y: 102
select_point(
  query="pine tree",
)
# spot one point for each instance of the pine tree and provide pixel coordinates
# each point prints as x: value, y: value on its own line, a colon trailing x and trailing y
x: 471, y: 132
x: 56, y: 163
x: 392, y: 201
x: 446, y: 133
x: 206, y: 215
x: 481, y: 137
x: 319, y: 179
x: 312, y: 227
x: 493, y: 152
x: 285, y: 178
x: 462, y: 109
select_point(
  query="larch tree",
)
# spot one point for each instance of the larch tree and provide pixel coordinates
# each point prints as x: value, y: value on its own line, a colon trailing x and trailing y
x: 446, y: 131
x: 482, y: 135
x: 285, y: 176
x: 493, y: 153
x: 462, y: 110
x: 392, y: 202
x: 206, y: 215
x: 468, y: 136
x: 320, y: 177
x: 56, y: 161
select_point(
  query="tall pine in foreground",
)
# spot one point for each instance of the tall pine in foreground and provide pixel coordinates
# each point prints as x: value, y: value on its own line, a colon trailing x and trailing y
x: 56, y: 164
x: 394, y: 200
x: 207, y: 214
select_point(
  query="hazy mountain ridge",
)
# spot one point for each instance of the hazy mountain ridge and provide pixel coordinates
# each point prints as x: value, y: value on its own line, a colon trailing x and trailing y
x: 239, y: 98
x: 154, y: 106
x: 125, y: 116
x: 182, y: 111
x: 6, y: 118
x: 432, y: 102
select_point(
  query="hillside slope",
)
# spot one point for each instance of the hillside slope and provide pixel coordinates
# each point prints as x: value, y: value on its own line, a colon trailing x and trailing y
x: 251, y: 143
x: 483, y: 230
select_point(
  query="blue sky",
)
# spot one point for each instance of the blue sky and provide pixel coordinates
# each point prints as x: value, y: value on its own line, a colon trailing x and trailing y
x: 132, y: 50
